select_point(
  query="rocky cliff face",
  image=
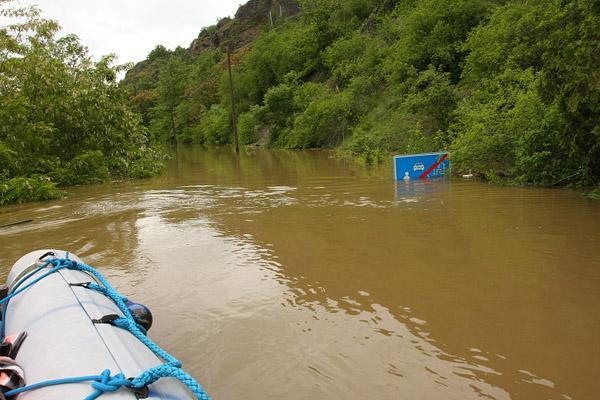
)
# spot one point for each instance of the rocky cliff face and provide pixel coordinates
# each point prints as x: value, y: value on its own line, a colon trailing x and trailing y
x: 249, y: 19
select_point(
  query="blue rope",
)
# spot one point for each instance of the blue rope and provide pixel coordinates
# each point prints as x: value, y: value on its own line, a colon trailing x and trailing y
x: 103, y: 383
x: 16, y: 289
x: 30, y: 284
x: 106, y: 383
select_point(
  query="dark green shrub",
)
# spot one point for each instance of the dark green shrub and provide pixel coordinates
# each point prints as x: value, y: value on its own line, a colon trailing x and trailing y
x: 250, y: 124
x: 23, y: 189
x: 324, y: 123
x: 215, y: 126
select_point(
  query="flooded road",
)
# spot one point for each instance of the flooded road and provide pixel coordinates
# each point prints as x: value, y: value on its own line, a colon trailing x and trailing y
x: 295, y: 275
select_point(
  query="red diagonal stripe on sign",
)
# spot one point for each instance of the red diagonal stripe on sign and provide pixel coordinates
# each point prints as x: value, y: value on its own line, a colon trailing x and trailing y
x: 434, y: 166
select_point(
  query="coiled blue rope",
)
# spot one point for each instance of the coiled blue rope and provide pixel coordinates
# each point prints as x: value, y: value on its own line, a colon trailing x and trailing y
x: 105, y: 383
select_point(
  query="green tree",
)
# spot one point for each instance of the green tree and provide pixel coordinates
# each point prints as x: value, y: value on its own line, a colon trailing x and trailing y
x: 431, y: 32
x: 554, y: 44
x: 63, y: 118
x: 171, y: 88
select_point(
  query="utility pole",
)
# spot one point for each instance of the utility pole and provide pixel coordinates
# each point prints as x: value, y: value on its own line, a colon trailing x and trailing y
x: 269, y: 5
x: 233, y: 112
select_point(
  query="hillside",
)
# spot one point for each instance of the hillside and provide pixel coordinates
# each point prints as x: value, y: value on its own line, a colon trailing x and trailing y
x: 511, y: 88
x: 250, y: 20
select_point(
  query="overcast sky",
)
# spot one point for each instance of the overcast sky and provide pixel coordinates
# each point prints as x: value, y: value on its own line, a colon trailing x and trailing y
x: 132, y: 28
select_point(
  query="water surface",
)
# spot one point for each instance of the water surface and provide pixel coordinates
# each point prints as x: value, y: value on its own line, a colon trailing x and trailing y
x: 295, y: 275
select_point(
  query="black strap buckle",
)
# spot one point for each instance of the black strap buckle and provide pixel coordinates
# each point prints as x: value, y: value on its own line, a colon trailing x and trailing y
x: 81, y: 284
x: 140, y: 393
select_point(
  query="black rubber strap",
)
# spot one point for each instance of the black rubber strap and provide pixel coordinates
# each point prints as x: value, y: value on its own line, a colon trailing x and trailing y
x: 107, y: 319
x: 49, y: 253
x: 17, y: 345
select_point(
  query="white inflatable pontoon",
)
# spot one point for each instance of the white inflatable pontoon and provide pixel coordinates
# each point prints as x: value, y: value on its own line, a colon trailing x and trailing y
x: 62, y: 341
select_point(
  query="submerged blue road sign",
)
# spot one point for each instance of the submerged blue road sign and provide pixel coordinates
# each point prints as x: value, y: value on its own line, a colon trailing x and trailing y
x: 421, y: 166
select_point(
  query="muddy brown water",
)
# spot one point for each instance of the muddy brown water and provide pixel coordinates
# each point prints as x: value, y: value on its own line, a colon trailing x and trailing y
x: 293, y: 275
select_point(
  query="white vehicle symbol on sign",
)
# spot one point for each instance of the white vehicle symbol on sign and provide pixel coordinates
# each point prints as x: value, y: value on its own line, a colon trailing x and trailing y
x: 418, y: 167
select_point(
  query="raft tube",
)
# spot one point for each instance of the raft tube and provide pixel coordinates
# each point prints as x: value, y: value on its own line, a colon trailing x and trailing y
x: 63, y: 342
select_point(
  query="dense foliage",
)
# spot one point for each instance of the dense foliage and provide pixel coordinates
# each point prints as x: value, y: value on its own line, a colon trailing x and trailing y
x: 63, y: 118
x: 512, y: 88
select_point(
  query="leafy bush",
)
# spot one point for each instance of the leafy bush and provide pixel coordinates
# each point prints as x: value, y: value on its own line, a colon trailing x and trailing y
x: 249, y: 125
x: 87, y: 167
x: 284, y: 103
x: 22, y: 189
x: 430, y: 32
x: 537, y: 113
x: 215, y: 126
x: 594, y: 194
x: 148, y: 162
x: 7, y: 160
x: 324, y: 123
x: 293, y: 48
x: 503, y: 131
x: 415, y: 114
